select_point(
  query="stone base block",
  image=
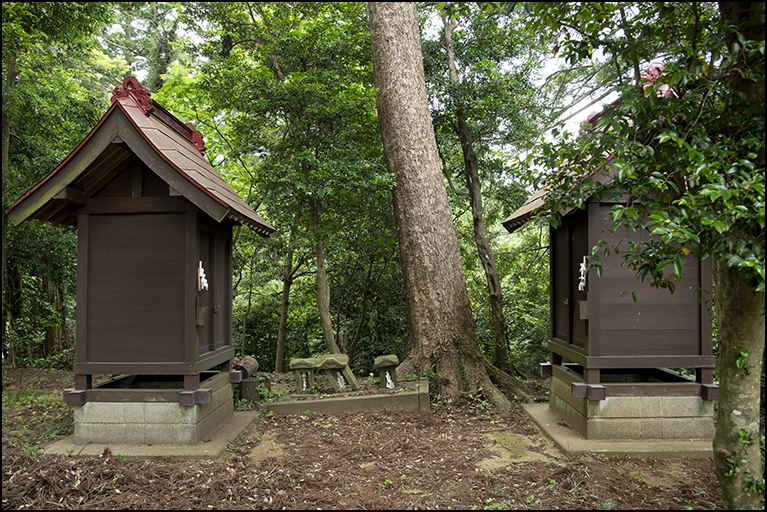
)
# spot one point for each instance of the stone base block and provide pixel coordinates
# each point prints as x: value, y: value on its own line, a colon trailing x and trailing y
x: 628, y: 417
x: 155, y: 422
x: 413, y: 398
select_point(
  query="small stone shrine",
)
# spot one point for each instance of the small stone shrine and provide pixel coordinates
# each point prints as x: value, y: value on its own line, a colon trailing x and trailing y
x: 387, y: 370
x: 154, y: 269
x: 335, y: 366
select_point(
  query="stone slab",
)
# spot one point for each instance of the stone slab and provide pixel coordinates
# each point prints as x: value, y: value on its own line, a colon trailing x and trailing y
x: 303, y: 364
x: 573, y: 443
x: 211, y: 449
x: 332, y: 362
x: 386, y: 361
x: 404, y: 401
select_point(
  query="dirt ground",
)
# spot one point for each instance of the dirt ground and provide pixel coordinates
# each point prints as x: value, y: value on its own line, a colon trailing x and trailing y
x: 461, y: 456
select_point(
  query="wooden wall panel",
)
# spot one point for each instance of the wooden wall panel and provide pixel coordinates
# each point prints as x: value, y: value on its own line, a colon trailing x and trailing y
x: 130, y: 336
x: 221, y: 293
x: 579, y: 247
x: 561, y: 285
x: 136, y: 288
x: 628, y: 316
x: 657, y: 342
x: 81, y: 309
x: 153, y: 185
x: 120, y: 186
x: 204, y: 301
x: 121, y: 283
x: 659, y: 323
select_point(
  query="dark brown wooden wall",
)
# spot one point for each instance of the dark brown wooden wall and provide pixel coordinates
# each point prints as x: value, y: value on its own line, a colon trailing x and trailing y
x: 139, y: 309
x: 569, y: 245
x: 601, y: 328
x: 135, y: 288
x: 215, y: 252
x: 659, y: 323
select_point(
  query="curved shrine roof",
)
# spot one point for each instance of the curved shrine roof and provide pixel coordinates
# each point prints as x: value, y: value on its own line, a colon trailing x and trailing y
x: 532, y: 206
x: 135, y: 125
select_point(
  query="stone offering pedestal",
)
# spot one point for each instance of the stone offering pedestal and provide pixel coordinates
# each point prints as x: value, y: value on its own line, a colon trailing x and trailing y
x: 304, y: 371
x: 336, y: 367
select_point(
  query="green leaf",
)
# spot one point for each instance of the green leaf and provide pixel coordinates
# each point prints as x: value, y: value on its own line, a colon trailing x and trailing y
x: 719, y: 226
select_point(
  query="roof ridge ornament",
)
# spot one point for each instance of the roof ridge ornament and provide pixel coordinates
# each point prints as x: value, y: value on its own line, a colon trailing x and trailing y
x: 196, y: 138
x: 651, y: 76
x: 140, y: 94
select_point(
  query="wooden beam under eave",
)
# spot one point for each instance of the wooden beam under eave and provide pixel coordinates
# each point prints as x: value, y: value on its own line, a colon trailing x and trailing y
x: 72, y: 195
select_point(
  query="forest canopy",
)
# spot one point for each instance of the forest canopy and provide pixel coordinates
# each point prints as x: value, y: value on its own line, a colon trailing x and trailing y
x: 285, y: 94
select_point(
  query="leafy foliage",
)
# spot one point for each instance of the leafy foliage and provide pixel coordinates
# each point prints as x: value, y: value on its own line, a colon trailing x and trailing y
x: 682, y: 155
x: 480, y: 75
x: 55, y: 74
x: 687, y: 162
x: 285, y: 91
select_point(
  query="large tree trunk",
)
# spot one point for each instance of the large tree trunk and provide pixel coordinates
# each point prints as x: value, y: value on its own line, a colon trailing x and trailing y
x: 441, y: 333
x: 323, y: 289
x: 741, y: 324
x: 474, y: 186
x: 740, y: 310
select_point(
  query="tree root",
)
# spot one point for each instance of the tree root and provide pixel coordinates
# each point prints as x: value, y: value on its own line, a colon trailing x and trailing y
x: 507, y: 383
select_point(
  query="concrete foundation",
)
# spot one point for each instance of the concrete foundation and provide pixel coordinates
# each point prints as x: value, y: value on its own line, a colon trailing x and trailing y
x: 573, y: 443
x: 155, y: 422
x: 633, y: 410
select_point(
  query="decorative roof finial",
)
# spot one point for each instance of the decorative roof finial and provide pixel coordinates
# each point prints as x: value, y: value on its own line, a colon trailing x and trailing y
x: 196, y: 138
x: 133, y: 88
x: 650, y: 77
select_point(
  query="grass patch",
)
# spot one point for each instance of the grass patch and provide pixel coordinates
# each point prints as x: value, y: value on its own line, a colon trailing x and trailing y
x: 32, y: 417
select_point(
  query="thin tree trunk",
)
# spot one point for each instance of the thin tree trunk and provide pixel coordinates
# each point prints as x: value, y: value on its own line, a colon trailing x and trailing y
x: 9, y: 57
x: 363, y: 314
x: 55, y: 335
x: 441, y: 332
x: 340, y: 337
x: 474, y: 186
x: 247, y: 311
x: 287, y: 282
x: 323, y: 290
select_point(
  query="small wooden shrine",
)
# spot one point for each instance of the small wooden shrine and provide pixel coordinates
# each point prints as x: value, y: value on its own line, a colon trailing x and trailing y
x: 609, y: 354
x: 154, y: 264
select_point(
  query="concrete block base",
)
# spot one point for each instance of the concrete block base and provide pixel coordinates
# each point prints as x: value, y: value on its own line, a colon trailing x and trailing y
x: 573, y: 443
x: 647, y: 413
x: 211, y: 450
x: 155, y: 423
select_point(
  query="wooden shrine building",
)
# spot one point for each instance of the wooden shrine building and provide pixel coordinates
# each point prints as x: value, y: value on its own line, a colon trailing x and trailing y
x: 154, y: 222
x: 610, y: 355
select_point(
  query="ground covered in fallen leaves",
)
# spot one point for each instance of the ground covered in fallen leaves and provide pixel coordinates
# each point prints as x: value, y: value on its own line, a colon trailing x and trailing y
x: 461, y: 456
